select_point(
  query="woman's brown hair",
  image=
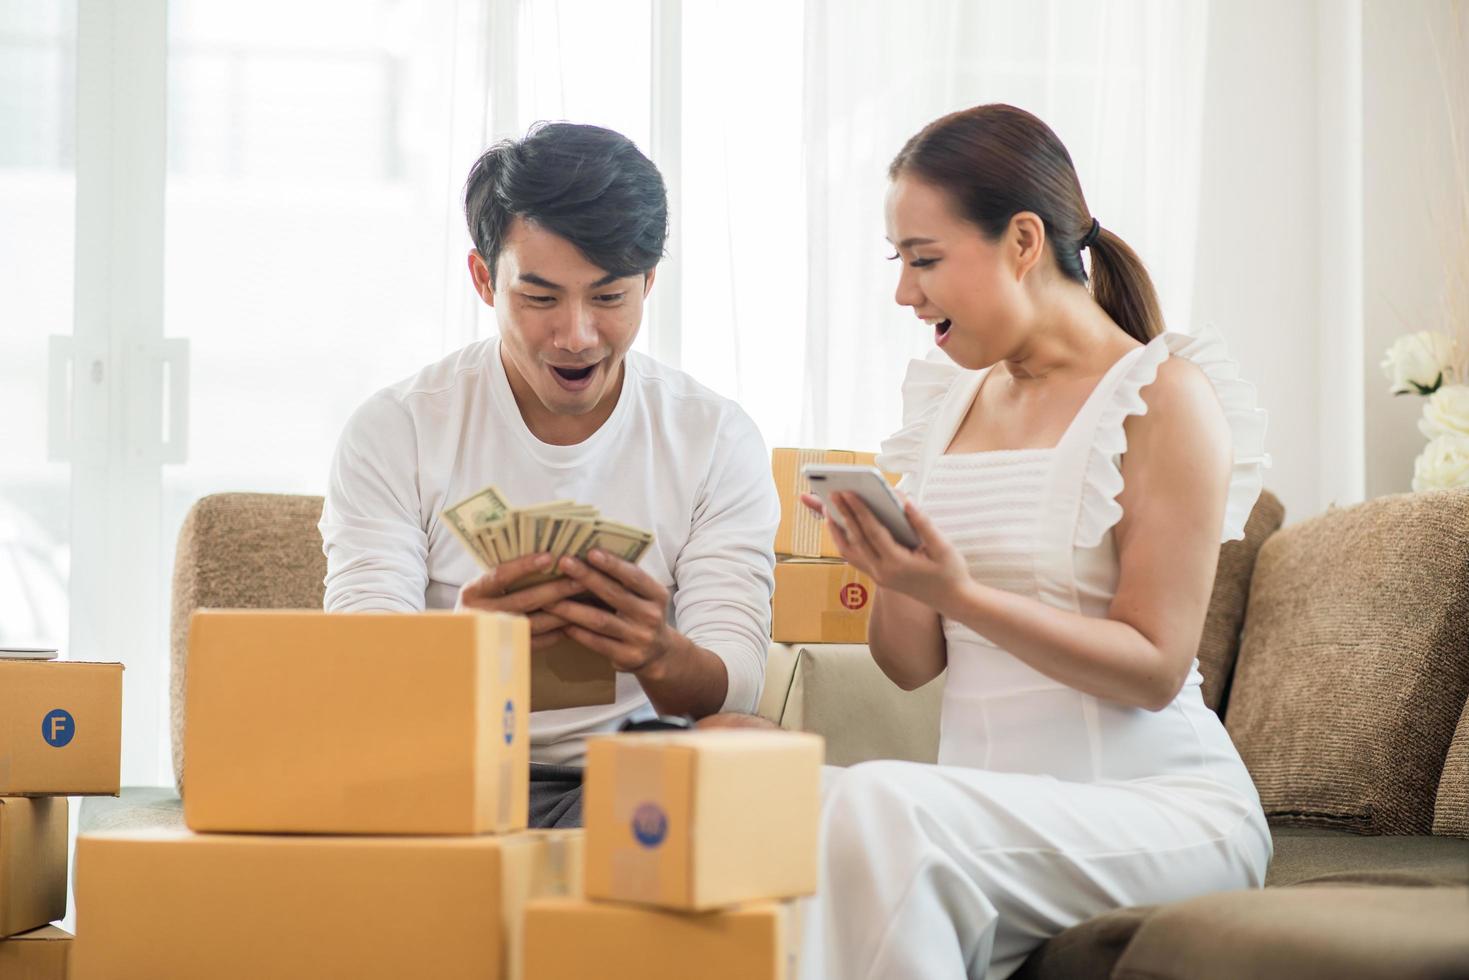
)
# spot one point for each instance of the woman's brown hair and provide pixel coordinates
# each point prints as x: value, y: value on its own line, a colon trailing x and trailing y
x: 996, y: 161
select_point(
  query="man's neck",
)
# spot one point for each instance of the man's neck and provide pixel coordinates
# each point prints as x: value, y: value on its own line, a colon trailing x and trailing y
x: 550, y: 427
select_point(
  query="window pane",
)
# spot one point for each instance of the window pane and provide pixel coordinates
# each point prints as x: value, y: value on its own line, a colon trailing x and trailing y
x: 312, y: 237
x: 37, y: 211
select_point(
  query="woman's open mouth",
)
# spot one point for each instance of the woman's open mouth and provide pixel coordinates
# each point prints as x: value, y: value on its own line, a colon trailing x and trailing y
x: 941, y: 331
x: 573, y: 378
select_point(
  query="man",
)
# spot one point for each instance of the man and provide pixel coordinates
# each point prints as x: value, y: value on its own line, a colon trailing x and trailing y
x: 569, y: 225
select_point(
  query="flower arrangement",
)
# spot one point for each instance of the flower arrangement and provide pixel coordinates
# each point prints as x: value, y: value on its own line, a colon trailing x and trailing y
x: 1430, y: 364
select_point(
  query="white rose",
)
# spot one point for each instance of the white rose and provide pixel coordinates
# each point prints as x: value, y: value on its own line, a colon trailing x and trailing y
x: 1416, y: 364
x: 1446, y: 413
x: 1444, y: 464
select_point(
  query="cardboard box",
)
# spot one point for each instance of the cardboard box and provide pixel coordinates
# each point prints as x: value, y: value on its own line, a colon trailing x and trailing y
x: 554, y: 868
x: 357, y: 723
x: 801, y: 534
x: 700, y: 820
x: 566, y: 938
x: 173, y: 905
x: 60, y: 728
x: 568, y: 675
x: 820, y: 602
x: 36, y: 955
x: 32, y: 862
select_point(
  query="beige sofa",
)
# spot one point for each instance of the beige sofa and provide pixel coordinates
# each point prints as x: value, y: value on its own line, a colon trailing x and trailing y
x: 1336, y: 650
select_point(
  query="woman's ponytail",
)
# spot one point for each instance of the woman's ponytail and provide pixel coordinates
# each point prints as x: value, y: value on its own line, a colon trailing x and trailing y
x: 1122, y: 287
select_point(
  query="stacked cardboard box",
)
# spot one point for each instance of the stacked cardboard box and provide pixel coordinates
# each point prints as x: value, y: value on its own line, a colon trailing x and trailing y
x: 697, y: 845
x: 355, y: 791
x: 60, y: 736
x: 818, y: 597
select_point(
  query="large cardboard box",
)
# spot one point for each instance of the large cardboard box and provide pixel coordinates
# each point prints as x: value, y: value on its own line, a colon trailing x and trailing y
x: 566, y: 939
x: 36, y: 955
x: 701, y: 820
x: 173, y: 905
x: 60, y: 728
x: 32, y: 862
x: 800, y: 534
x: 820, y: 602
x: 357, y: 723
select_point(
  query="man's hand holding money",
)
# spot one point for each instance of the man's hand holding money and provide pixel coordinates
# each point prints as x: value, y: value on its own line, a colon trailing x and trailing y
x: 633, y: 631
x: 493, y: 592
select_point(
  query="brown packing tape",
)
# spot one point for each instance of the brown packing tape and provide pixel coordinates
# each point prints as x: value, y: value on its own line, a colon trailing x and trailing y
x: 843, y: 626
x: 640, y: 795
x: 807, y: 538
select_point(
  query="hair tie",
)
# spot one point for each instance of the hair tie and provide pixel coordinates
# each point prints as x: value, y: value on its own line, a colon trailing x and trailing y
x: 1091, y: 235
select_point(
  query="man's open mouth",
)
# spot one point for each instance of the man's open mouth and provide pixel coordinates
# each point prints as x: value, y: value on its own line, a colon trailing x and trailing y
x: 575, y: 374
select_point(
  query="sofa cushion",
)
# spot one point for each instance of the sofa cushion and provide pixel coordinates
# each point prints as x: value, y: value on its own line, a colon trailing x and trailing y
x: 837, y: 691
x: 1219, y: 645
x: 134, y: 808
x: 1354, y: 663
x: 1087, y: 951
x: 1330, y: 932
x: 1451, y: 809
x: 241, y: 551
x: 1306, y: 856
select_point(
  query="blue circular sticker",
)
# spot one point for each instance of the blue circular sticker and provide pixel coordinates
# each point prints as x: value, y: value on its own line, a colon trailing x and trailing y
x: 509, y: 722
x: 649, y: 824
x: 57, y: 728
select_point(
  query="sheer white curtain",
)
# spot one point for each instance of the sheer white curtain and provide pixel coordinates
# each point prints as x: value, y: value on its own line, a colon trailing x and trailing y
x: 314, y: 245
x: 1120, y: 82
x: 789, y: 116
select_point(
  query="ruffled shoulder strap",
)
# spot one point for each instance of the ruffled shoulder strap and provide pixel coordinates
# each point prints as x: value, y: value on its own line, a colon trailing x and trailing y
x: 1100, y: 510
x: 925, y: 387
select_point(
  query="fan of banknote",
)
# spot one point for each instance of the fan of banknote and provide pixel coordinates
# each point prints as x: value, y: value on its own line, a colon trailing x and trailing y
x: 495, y: 532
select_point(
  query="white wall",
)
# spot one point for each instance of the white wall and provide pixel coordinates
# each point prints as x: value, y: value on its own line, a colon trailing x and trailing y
x: 1327, y: 208
x: 1258, y: 224
x: 1409, y: 190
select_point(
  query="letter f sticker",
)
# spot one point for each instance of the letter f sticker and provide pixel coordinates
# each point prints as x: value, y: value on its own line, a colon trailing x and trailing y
x: 57, y: 728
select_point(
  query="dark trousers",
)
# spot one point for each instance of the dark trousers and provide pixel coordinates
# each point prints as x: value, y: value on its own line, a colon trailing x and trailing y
x: 555, y: 795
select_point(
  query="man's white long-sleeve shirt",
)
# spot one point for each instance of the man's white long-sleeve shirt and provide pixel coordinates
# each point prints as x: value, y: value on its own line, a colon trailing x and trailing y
x: 674, y: 457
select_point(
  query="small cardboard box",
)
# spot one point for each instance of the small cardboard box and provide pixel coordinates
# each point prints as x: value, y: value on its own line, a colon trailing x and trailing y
x: 174, y: 905
x: 820, y: 602
x: 800, y: 534
x: 32, y: 862
x: 357, y: 723
x: 60, y: 728
x: 567, y: 938
x: 701, y: 820
x: 36, y: 955
x: 568, y: 675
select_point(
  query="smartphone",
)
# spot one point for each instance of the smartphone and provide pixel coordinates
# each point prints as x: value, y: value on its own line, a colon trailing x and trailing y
x: 866, y: 483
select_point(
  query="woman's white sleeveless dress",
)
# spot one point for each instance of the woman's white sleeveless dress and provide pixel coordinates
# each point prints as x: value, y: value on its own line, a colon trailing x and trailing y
x: 1048, y: 806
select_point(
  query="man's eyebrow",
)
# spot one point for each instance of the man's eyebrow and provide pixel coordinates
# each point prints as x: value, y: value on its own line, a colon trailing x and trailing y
x: 544, y: 283
x: 535, y: 280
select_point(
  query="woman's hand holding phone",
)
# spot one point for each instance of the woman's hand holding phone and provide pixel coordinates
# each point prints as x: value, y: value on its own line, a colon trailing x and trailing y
x: 934, y: 574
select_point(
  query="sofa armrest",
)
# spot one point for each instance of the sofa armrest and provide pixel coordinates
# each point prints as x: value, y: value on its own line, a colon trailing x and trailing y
x: 1342, y: 931
x: 838, y: 692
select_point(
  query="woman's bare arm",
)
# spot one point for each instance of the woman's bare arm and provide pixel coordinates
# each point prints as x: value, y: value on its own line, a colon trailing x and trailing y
x: 906, y: 638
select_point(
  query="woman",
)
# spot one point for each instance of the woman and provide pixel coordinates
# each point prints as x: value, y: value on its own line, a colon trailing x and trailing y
x: 1071, y: 475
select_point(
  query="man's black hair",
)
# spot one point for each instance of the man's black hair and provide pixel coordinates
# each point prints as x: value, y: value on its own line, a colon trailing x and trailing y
x: 589, y: 185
